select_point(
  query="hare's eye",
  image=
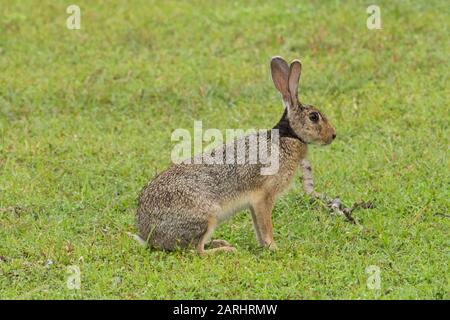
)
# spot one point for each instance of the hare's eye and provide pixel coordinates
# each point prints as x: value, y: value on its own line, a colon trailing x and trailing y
x: 314, y: 116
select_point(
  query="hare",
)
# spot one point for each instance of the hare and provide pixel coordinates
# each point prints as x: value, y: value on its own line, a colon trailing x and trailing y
x: 183, y: 205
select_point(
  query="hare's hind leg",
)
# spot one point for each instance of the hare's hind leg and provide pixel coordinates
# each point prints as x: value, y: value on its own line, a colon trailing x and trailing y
x: 217, y: 245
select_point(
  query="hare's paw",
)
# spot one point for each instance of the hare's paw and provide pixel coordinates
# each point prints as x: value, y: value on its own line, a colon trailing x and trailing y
x: 227, y: 249
x: 215, y: 250
x: 219, y: 243
x: 272, y: 246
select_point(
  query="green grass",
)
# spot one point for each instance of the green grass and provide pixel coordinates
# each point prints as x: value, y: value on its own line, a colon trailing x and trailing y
x: 86, y: 118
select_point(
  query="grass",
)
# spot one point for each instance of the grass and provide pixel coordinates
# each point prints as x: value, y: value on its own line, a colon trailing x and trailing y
x: 86, y: 118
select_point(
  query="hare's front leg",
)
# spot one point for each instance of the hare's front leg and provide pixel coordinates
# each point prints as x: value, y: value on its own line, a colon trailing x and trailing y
x: 307, y: 178
x: 262, y: 221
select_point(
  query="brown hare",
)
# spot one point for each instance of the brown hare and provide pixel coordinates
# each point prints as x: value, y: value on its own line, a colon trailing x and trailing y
x: 184, y: 204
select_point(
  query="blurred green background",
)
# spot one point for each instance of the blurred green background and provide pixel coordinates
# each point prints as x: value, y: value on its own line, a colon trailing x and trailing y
x: 86, y: 118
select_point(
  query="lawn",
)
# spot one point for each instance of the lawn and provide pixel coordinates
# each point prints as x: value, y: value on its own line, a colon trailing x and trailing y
x: 86, y: 118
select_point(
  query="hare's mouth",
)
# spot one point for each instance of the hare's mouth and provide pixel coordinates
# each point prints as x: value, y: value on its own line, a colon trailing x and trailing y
x: 325, y: 143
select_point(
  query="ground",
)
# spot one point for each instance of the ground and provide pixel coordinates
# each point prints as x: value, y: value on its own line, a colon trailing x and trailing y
x: 86, y: 118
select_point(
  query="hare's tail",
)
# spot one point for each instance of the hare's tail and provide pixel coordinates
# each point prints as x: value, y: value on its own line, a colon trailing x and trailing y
x: 138, y: 239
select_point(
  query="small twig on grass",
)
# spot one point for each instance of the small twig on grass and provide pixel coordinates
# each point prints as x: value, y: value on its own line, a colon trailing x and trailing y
x: 335, y: 205
x: 442, y: 215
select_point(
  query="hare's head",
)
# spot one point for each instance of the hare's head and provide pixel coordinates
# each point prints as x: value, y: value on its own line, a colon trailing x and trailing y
x: 308, y: 123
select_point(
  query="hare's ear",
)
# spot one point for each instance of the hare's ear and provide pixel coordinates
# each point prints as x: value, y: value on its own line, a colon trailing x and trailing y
x: 294, y: 76
x: 280, y: 77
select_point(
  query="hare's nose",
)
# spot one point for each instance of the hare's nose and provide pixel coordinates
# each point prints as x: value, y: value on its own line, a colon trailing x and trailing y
x: 334, y: 136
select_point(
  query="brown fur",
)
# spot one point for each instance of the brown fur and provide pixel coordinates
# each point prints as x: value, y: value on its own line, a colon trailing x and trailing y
x: 183, y: 205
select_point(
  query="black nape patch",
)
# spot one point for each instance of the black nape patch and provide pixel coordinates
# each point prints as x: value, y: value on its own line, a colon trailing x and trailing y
x: 285, y: 129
